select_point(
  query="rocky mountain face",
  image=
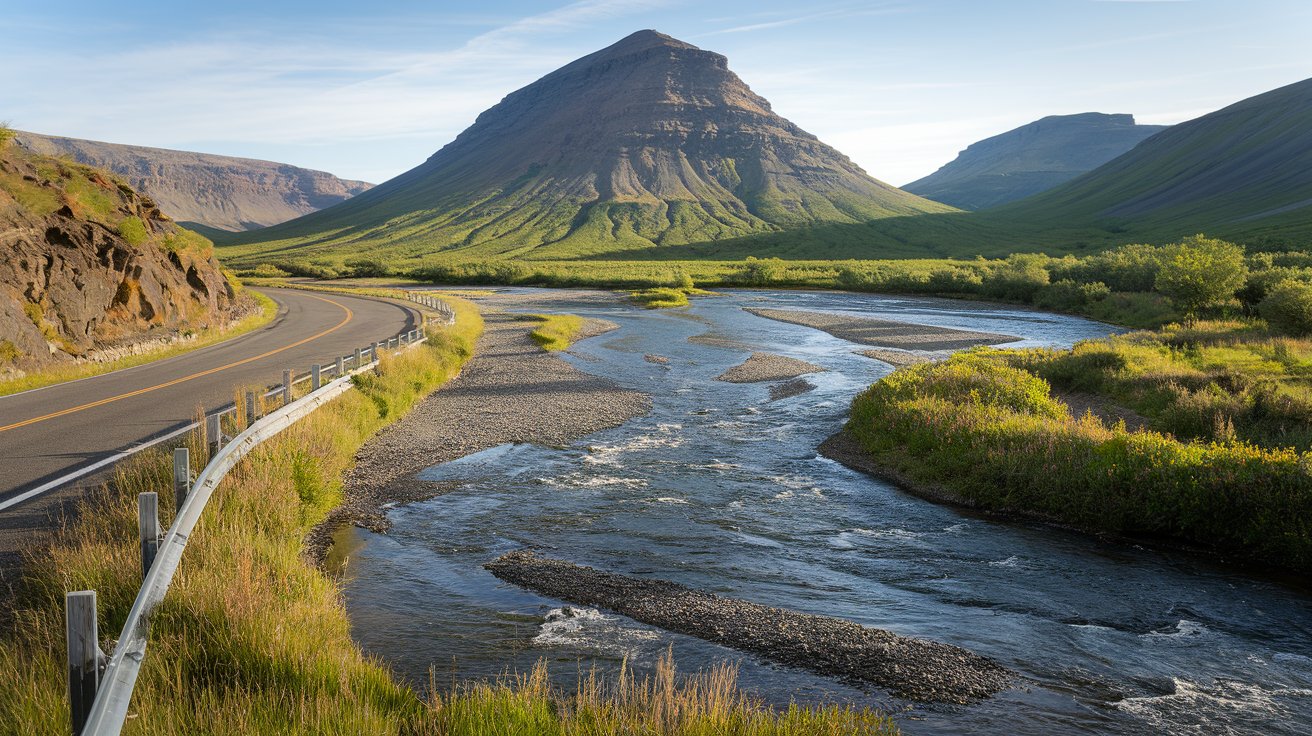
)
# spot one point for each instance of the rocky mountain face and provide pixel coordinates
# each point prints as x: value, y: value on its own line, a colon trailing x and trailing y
x: 219, y: 192
x: 1031, y: 159
x: 88, y: 265
x: 649, y: 142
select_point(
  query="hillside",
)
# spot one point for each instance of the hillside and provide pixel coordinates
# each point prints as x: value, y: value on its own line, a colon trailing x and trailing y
x: 1244, y: 171
x: 1031, y: 159
x: 88, y: 265
x: 651, y: 142
x: 219, y: 192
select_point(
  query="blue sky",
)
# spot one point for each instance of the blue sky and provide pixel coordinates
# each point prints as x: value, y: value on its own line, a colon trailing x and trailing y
x: 368, y: 90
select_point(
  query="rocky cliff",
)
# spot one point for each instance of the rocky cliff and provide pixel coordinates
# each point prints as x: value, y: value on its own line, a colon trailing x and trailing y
x: 646, y: 143
x: 220, y: 192
x: 87, y: 265
x: 1031, y: 159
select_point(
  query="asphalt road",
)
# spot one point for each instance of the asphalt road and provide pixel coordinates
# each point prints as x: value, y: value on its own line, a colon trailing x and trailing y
x: 52, y: 431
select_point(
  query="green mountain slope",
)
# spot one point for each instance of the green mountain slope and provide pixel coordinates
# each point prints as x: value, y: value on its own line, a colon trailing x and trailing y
x: 1031, y: 159
x: 649, y: 143
x: 1244, y: 171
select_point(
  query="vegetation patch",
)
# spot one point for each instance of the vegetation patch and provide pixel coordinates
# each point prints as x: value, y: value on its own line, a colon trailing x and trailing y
x: 557, y: 331
x: 660, y: 298
x: 985, y: 428
x: 133, y: 230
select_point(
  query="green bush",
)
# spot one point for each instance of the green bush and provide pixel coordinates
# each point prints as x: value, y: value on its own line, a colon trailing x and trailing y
x: 1288, y: 307
x: 6, y: 134
x: 1201, y: 272
x: 1019, y: 278
x: 1067, y: 295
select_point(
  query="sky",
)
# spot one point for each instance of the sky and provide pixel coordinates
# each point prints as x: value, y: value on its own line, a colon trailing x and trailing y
x: 367, y: 90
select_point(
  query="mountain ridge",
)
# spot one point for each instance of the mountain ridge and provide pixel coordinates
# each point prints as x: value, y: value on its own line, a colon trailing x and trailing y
x: 220, y: 192
x: 1031, y: 158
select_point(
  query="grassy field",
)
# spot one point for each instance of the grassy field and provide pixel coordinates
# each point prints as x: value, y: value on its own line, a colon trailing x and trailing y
x: 254, y: 639
x: 265, y: 313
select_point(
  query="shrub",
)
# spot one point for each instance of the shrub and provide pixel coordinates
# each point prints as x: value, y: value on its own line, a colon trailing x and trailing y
x: 1018, y: 278
x: 1201, y: 272
x: 1288, y: 307
x: 761, y: 271
x: 6, y: 134
x: 1067, y: 295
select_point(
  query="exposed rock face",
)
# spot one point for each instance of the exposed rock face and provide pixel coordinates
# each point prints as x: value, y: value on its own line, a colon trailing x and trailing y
x: 1031, y: 159
x: 86, y: 263
x: 221, y: 192
x: 651, y: 141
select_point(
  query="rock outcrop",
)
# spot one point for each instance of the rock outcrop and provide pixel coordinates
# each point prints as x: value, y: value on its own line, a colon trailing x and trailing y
x: 87, y: 264
x: 220, y: 192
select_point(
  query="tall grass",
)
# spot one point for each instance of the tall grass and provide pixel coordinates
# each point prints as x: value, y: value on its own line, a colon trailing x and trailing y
x: 991, y: 435
x: 254, y: 639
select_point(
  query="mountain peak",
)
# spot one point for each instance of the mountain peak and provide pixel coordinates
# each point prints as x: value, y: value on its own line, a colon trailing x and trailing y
x: 648, y: 142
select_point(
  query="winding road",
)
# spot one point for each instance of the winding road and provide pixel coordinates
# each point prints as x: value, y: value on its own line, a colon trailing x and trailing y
x: 49, y: 432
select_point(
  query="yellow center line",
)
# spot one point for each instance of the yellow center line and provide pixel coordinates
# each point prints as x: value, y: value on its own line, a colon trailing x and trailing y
x: 176, y: 381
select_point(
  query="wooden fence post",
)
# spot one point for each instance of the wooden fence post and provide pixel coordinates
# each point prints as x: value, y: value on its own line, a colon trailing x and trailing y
x: 213, y: 434
x: 341, y: 367
x: 314, y: 377
x: 84, y: 656
x: 181, y: 476
x: 148, y: 529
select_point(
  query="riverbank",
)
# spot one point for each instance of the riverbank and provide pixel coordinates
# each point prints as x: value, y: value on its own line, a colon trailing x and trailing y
x: 885, y: 333
x: 512, y: 391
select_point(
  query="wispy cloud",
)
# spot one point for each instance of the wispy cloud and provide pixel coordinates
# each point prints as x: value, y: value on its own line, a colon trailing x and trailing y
x: 849, y: 11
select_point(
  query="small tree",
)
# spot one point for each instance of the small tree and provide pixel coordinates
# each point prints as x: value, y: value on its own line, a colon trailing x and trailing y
x: 1200, y: 272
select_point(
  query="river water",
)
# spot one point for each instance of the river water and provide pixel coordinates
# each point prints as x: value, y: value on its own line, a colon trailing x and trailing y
x: 721, y: 489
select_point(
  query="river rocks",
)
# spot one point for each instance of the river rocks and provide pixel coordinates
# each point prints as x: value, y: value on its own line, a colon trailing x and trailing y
x: 899, y: 358
x: 767, y: 367
x: 885, y: 333
x: 788, y: 389
x: 915, y: 669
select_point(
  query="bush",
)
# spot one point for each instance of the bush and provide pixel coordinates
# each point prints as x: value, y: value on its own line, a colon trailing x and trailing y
x: 6, y: 134
x: 1201, y: 272
x: 1288, y: 307
x: 1018, y: 278
x: 761, y: 271
x: 1067, y: 295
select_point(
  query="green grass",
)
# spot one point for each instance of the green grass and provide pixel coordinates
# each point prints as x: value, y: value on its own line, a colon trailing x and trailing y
x: 203, y: 338
x: 660, y: 297
x: 985, y: 432
x: 557, y: 331
x: 253, y: 639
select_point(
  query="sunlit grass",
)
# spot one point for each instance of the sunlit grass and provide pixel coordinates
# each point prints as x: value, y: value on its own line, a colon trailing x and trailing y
x: 556, y: 331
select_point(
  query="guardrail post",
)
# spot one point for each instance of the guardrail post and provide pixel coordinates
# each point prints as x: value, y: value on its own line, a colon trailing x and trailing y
x: 213, y: 433
x: 341, y: 367
x: 287, y: 377
x: 359, y: 359
x: 148, y: 529
x: 84, y: 655
x: 250, y: 408
x: 181, y: 476
x: 378, y: 350
x: 314, y: 377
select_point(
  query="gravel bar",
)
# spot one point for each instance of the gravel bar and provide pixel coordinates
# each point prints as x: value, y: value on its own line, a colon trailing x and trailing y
x: 510, y: 391
x: 885, y: 333
x: 900, y: 358
x: 914, y: 669
x: 767, y: 367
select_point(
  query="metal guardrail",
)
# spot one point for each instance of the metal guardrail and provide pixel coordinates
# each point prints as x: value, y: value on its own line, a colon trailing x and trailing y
x: 109, y: 690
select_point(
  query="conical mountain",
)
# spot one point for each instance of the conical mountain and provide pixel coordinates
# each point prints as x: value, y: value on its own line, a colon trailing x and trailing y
x: 1032, y: 158
x: 651, y: 141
